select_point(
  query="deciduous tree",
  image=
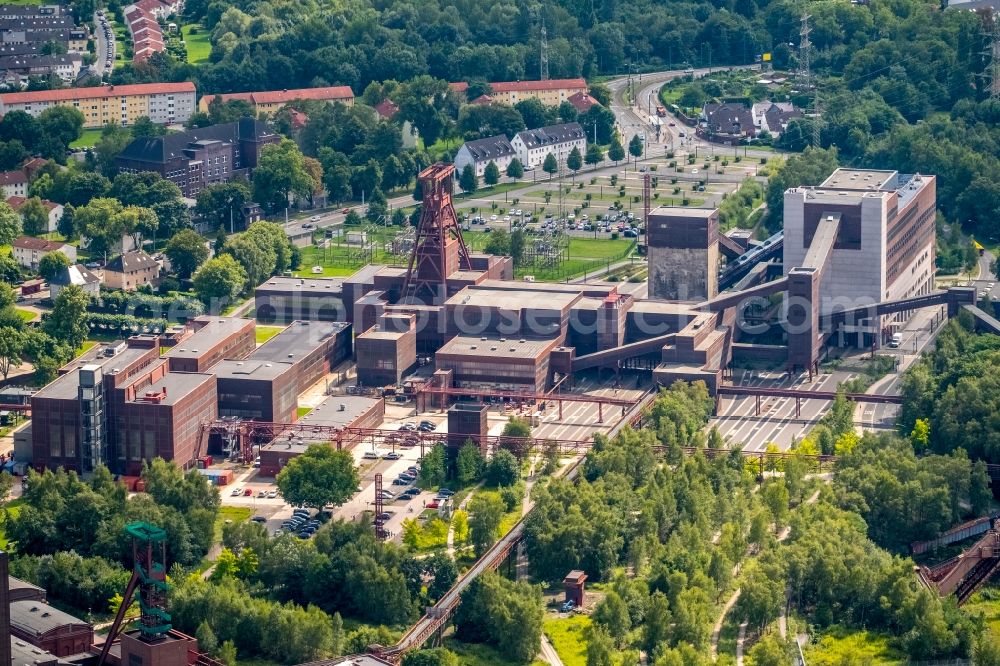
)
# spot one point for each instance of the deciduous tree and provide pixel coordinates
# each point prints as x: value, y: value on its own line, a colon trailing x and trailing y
x: 320, y: 476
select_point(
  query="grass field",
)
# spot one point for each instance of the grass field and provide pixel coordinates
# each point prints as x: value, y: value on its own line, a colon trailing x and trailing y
x: 25, y: 315
x: 87, y: 139
x: 265, y: 333
x: 302, y: 411
x: 86, y: 346
x: 986, y: 602
x: 475, y: 654
x: 843, y: 647
x: 198, y: 46
x: 585, y: 255
x: 237, y: 514
x: 569, y: 638
x: 12, y: 509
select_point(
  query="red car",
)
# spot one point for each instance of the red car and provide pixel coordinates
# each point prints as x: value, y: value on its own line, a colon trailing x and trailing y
x: 248, y: 492
x: 433, y: 505
x: 346, y: 211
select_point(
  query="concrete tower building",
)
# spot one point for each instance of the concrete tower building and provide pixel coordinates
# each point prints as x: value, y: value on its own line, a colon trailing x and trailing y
x: 884, y: 249
x: 683, y: 250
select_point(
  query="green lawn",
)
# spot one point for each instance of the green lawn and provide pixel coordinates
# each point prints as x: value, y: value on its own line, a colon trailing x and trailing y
x: 198, y: 45
x: 87, y: 139
x: 265, y: 333
x: 476, y: 654
x: 302, y: 411
x: 986, y: 603
x: 86, y: 346
x: 13, y: 508
x: 843, y: 647
x: 237, y: 514
x: 25, y: 315
x: 569, y: 638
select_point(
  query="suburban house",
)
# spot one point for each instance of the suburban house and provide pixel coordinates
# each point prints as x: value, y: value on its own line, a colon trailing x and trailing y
x: 551, y: 92
x: 28, y: 250
x: 55, y: 210
x: 200, y: 157
x: 481, y: 152
x: 78, y: 275
x: 14, y: 183
x: 388, y: 109
x: 269, y: 101
x: 143, y: 20
x: 131, y: 270
x: 732, y: 118
x: 773, y: 117
x: 582, y: 102
x: 532, y: 146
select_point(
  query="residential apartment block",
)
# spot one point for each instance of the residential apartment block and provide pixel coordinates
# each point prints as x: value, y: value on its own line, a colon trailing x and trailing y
x: 14, y: 183
x: 28, y: 250
x: 551, y: 93
x: 269, y: 101
x: 533, y: 146
x: 164, y: 103
x: 481, y: 152
x: 200, y: 157
x: 16, y: 70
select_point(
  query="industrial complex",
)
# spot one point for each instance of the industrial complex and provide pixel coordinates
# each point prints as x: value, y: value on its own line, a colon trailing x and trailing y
x: 855, y: 258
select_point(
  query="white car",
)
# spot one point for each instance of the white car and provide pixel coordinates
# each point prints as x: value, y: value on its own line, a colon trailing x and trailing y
x: 493, y: 218
x: 317, y: 270
x: 236, y: 492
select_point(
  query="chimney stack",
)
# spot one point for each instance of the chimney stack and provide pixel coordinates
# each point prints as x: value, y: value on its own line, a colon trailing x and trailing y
x: 5, y: 656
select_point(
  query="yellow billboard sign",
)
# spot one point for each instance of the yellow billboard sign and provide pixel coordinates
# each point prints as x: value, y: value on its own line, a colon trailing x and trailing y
x: 767, y: 57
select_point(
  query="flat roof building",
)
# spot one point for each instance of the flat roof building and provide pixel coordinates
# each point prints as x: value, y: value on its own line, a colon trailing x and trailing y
x: 682, y: 245
x: 885, y: 243
x: 338, y: 411
x: 207, y: 340
x: 266, y: 384
x: 494, y: 361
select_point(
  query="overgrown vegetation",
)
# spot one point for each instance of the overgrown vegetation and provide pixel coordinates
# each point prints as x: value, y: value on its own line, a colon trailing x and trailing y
x: 954, y: 390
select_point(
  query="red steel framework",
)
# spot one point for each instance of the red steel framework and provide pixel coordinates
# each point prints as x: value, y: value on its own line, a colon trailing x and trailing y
x: 428, y: 268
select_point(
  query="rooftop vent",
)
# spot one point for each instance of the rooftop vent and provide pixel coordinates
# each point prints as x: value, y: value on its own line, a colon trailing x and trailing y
x: 493, y: 348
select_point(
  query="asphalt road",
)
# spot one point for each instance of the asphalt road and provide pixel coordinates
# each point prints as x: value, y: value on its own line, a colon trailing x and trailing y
x: 101, y: 47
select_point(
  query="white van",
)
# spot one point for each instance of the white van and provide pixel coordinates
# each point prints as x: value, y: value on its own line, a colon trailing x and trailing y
x: 897, y: 339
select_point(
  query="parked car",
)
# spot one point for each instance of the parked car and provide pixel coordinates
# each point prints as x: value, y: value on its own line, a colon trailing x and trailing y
x: 248, y: 492
x: 400, y: 482
x: 370, y: 455
x: 446, y: 492
x: 394, y: 455
x: 567, y: 606
x: 272, y: 494
x: 259, y: 519
x: 236, y: 492
x: 261, y: 493
x: 433, y: 505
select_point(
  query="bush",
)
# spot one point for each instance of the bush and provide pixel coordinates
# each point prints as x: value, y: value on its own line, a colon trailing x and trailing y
x: 124, y: 324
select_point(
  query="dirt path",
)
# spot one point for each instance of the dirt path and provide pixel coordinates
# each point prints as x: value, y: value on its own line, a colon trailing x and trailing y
x: 734, y: 597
